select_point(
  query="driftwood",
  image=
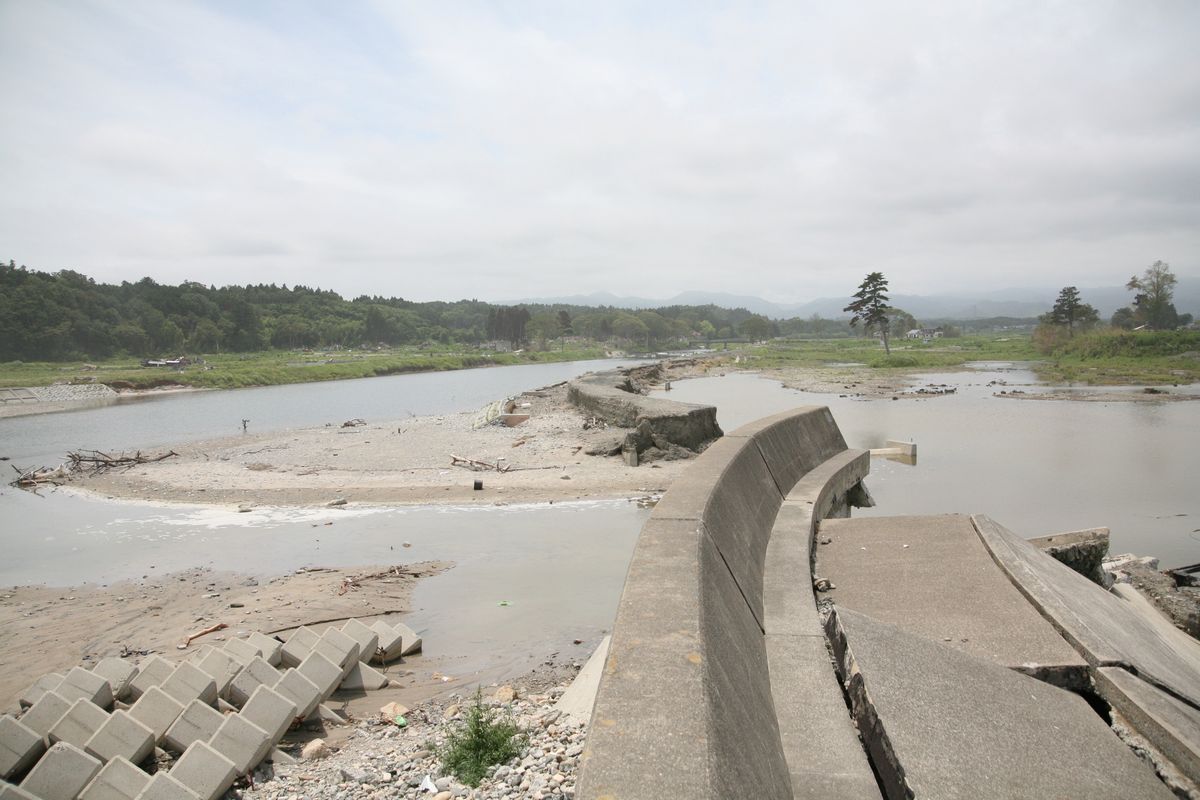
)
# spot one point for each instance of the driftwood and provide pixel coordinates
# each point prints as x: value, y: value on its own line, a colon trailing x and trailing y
x: 39, y: 476
x: 354, y: 423
x: 356, y: 581
x: 95, y: 461
x: 476, y: 465
x: 220, y: 626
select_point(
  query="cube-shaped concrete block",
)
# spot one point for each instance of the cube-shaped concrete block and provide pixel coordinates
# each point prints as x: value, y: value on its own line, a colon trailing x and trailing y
x: 338, y: 648
x: 298, y: 645
x: 77, y: 726
x: 61, y: 774
x: 271, y: 711
x: 363, y: 678
x: 368, y: 640
x: 321, y: 671
x: 205, y: 771
x: 198, y: 722
x: 412, y: 642
x: 241, y: 651
x: 19, y: 747
x: 256, y: 673
x: 157, y: 710
x: 391, y: 643
x: 268, y: 647
x: 303, y: 693
x: 220, y: 666
x: 82, y: 684
x: 42, y: 715
x: 9, y: 791
x: 151, y: 672
x: 119, y: 779
x: 121, y: 736
x: 242, y: 742
x: 188, y: 682
x: 119, y: 673
x: 47, y: 683
x: 163, y: 787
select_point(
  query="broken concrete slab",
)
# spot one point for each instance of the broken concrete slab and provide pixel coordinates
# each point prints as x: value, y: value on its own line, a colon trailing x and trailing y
x: 390, y: 642
x: 1106, y: 630
x: 119, y: 779
x: 298, y: 645
x: 197, y: 723
x: 270, y: 711
x: 61, y: 774
x: 82, y: 684
x: 942, y: 723
x: 43, y: 714
x: 268, y: 647
x: 325, y: 674
x: 164, y: 787
x: 242, y: 742
x: 367, y: 639
x: 121, y: 736
x: 79, y: 724
x: 257, y: 672
x: 47, y: 683
x: 157, y: 710
x: 1167, y: 723
x: 362, y: 677
x: 896, y: 570
x: 303, y: 693
x: 151, y: 672
x: 205, y: 771
x: 119, y: 673
x: 20, y: 747
x: 188, y: 682
x: 577, y: 701
x: 1083, y: 551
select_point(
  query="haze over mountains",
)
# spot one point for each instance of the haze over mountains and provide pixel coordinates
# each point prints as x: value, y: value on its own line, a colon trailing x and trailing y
x: 1016, y: 302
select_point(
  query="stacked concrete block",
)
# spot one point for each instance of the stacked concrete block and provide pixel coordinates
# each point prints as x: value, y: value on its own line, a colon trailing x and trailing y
x: 368, y: 639
x: 19, y: 747
x: 42, y: 715
x: 119, y: 673
x: 220, y: 665
x: 362, y: 677
x: 10, y: 791
x: 198, y: 722
x: 270, y: 711
x: 119, y: 779
x: 82, y: 684
x: 338, y: 648
x: 242, y: 742
x: 391, y: 643
x: 164, y: 787
x: 151, y: 672
x: 325, y: 674
x: 46, y: 683
x: 78, y: 725
x: 256, y: 673
x: 61, y: 774
x: 121, y: 736
x: 188, y: 682
x: 412, y: 642
x: 298, y: 645
x: 205, y: 771
x: 241, y: 651
x: 303, y: 693
x: 157, y: 710
x: 269, y: 648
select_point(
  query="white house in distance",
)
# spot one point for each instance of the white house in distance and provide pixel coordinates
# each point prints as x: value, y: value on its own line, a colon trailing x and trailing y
x: 924, y: 333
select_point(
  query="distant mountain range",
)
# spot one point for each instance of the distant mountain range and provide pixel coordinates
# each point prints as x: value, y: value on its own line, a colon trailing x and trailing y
x: 999, y: 303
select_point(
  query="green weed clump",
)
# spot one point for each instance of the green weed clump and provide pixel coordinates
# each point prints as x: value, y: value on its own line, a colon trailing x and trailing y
x: 481, y: 742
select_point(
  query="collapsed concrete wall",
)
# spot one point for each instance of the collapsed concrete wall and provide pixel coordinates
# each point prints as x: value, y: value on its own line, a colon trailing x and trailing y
x: 618, y: 398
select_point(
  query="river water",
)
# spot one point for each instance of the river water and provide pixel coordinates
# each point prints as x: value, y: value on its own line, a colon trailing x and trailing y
x: 1037, y: 467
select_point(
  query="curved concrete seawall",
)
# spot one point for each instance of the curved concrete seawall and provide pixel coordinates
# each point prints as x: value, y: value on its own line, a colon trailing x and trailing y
x: 615, y: 396
x: 701, y: 697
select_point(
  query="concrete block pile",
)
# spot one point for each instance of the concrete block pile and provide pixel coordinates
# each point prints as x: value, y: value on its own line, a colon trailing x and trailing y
x: 83, y: 735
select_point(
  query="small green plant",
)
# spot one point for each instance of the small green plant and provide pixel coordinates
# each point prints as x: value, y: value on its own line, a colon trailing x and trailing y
x: 481, y: 742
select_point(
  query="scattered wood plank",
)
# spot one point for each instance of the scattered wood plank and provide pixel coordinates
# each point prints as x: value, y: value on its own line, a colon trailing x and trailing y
x: 476, y: 465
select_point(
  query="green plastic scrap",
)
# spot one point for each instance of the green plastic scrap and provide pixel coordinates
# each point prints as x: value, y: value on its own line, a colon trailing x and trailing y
x: 502, y: 603
x: 401, y: 721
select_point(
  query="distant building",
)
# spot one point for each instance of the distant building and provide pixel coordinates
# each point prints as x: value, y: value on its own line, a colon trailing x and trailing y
x: 924, y: 333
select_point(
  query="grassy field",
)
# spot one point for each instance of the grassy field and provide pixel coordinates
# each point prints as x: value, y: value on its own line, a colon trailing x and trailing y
x: 1111, y: 357
x: 231, y: 371
x: 906, y: 356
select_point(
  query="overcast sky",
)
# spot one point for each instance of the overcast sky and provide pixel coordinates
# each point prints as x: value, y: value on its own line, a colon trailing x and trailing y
x: 508, y: 149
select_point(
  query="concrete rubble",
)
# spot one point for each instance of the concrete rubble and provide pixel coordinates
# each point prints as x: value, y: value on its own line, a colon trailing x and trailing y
x: 90, y: 734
